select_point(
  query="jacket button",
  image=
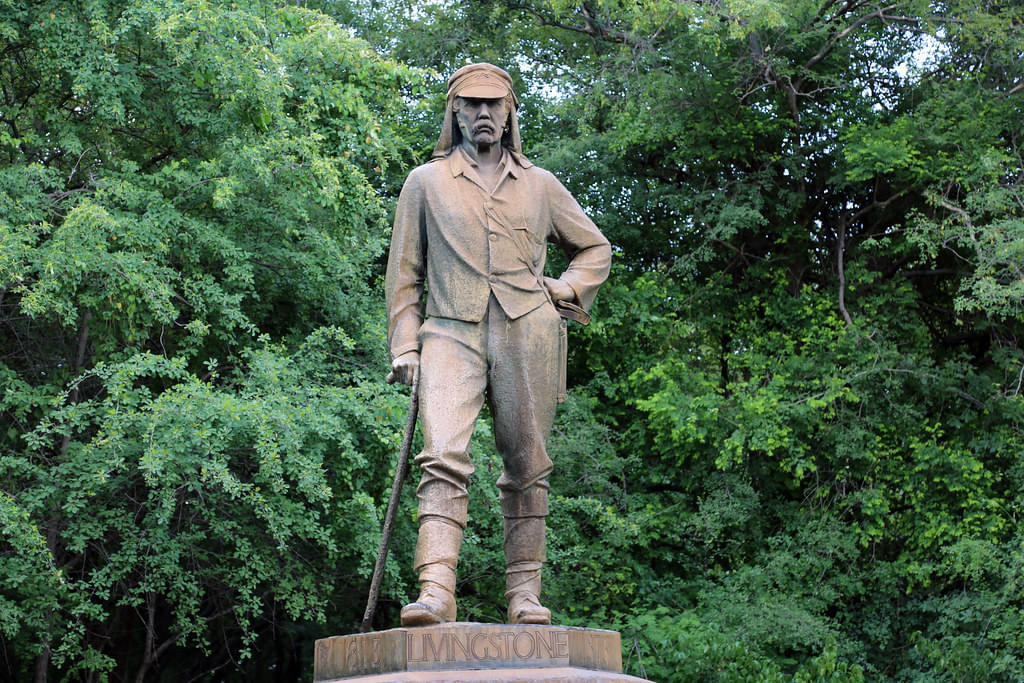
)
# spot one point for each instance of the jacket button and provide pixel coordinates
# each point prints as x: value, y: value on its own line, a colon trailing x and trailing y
x: 493, y: 236
x: 493, y: 278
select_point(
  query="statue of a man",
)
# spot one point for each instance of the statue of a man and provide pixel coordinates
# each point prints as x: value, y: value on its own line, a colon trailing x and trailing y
x: 471, y: 228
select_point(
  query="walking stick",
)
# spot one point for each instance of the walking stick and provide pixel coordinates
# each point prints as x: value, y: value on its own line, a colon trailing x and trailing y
x: 389, y: 517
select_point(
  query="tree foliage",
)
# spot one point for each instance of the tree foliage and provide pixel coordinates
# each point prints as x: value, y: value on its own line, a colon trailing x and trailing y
x: 791, y: 446
x: 804, y: 375
x: 194, y: 430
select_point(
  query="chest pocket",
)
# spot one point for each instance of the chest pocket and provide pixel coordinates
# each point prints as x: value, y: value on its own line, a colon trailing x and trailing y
x: 530, y: 244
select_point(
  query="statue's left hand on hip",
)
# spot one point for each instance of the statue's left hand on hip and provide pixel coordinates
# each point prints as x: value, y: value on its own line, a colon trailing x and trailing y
x: 559, y: 290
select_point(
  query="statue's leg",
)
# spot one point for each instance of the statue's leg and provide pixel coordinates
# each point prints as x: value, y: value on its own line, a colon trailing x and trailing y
x: 437, y: 557
x: 524, y: 378
x: 524, y: 558
x: 451, y: 391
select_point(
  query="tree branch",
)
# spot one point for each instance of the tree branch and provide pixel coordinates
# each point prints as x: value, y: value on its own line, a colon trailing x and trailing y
x: 830, y: 45
x: 845, y: 221
x: 590, y: 27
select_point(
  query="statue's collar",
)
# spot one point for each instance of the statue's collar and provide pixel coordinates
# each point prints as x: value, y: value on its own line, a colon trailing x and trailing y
x: 459, y: 161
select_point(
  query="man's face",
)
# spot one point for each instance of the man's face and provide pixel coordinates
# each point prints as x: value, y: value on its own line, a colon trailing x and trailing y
x: 481, y: 120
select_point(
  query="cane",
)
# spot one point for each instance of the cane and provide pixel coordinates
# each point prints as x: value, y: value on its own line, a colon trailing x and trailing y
x: 396, y: 488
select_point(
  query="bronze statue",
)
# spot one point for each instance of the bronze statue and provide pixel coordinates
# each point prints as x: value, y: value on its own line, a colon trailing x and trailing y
x: 472, y: 227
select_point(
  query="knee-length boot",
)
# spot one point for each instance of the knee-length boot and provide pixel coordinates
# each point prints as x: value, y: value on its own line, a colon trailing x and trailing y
x: 437, y: 556
x: 524, y: 557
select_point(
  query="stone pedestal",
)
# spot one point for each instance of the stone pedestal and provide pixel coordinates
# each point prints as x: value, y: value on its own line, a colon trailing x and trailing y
x: 472, y: 652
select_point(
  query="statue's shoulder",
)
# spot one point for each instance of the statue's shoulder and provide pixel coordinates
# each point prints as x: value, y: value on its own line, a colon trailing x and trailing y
x: 525, y: 164
x: 543, y: 177
x: 431, y: 167
x: 437, y: 167
x: 423, y: 177
x: 541, y: 173
x: 529, y: 168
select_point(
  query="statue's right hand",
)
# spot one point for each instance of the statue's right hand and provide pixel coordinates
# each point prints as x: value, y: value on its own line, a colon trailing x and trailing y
x: 405, y: 369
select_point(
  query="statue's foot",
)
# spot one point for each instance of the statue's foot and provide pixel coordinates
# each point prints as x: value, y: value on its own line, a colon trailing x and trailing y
x: 436, y: 605
x: 525, y: 608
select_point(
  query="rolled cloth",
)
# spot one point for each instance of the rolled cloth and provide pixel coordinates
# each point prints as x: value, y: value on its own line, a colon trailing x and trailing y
x: 485, y: 81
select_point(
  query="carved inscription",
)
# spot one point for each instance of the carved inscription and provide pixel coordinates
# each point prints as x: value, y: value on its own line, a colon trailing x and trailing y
x: 366, y: 653
x: 454, y: 647
x: 427, y: 649
x: 363, y: 654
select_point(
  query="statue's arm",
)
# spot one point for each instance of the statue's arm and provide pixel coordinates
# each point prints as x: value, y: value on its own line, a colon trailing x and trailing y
x: 403, y: 282
x: 590, y: 254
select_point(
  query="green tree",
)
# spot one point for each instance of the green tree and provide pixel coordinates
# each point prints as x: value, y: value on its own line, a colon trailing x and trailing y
x: 804, y: 375
x: 194, y: 430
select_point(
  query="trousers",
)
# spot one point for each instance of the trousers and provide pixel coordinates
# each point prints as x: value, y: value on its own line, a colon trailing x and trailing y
x: 514, y: 365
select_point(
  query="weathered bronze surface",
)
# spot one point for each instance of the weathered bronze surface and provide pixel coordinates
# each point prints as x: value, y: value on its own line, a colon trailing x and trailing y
x: 464, y: 651
x: 471, y: 232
